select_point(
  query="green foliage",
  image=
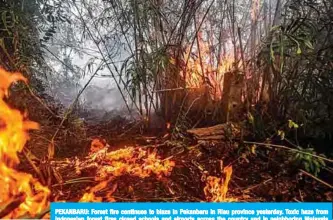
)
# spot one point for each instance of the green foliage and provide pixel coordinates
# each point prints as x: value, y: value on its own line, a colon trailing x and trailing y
x: 24, y: 28
x: 298, y: 55
x: 18, y: 36
x: 281, y: 134
x: 258, y: 126
x: 308, y: 159
x: 250, y: 118
x: 292, y: 124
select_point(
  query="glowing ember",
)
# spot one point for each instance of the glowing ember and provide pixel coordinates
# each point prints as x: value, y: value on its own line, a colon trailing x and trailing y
x: 136, y: 162
x: 20, y: 191
x: 216, y: 188
x: 128, y: 161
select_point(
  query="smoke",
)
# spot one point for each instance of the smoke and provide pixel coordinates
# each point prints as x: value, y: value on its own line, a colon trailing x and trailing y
x: 72, y: 66
x: 100, y: 94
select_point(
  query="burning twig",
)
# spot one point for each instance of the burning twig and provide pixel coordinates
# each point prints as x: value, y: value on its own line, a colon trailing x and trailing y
x: 105, y: 166
x: 11, y: 205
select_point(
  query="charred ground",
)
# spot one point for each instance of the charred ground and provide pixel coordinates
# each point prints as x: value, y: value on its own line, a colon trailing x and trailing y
x: 260, y: 173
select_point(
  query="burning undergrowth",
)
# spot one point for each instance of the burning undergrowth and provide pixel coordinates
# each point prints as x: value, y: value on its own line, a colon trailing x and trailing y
x: 160, y: 171
x: 139, y: 174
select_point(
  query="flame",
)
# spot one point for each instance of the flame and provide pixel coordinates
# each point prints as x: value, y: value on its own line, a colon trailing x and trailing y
x: 216, y: 188
x: 204, y: 67
x: 128, y: 161
x: 136, y: 162
x: 20, y: 193
x: 90, y: 196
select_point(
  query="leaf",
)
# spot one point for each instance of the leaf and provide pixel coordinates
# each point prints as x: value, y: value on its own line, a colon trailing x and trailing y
x: 172, y: 61
x: 307, y: 157
x: 322, y: 155
x: 297, y: 156
x: 250, y: 117
x: 308, y: 44
x: 301, y: 156
x: 281, y: 134
x: 322, y: 162
x: 253, y: 149
x: 293, y: 7
x: 6, y: 20
x: 312, y: 167
x: 316, y: 163
x: 292, y: 124
x: 275, y: 27
x: 306, y: 166
x: 49, y: 34
x: 45, y: 38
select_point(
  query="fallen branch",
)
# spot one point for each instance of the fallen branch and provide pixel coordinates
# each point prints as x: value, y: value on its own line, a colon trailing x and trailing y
x: 316, y: 178
x: 11, y: 205
x: 217, y: 132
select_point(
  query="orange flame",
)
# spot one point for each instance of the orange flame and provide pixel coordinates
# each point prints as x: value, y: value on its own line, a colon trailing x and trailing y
x: 204, y: 67
x: 216, y: 188
x: 18, y: 189
x: 136, y: 162
x: 131, y: 161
